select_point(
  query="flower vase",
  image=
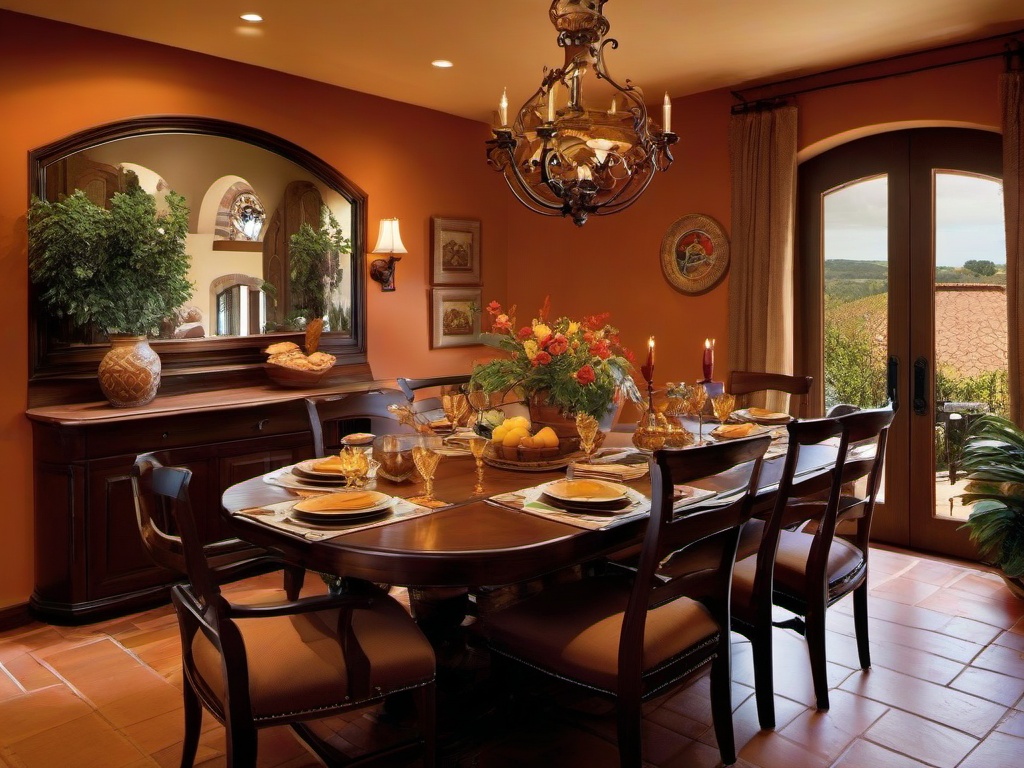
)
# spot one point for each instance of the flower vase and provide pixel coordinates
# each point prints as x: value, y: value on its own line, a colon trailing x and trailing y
x: 129, y: 374
x: 544, y: 414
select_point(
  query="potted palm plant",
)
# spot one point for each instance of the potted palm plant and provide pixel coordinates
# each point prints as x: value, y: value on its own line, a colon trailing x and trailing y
x: 122, y: 269
x: 993, y: 456
x: 316, y: 267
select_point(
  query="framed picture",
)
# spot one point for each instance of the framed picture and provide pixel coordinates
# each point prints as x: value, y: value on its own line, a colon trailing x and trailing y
x: 455, y: 258
x: 455, y: 317
x: 694, y: 254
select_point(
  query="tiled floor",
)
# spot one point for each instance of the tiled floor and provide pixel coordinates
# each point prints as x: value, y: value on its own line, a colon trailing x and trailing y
x: 946, y: 689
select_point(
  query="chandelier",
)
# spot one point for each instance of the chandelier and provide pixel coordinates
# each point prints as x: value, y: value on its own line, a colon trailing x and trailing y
x: 562, y: 156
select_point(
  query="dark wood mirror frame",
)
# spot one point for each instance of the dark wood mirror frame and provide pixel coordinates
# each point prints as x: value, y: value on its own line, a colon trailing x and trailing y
x: 69, y: 374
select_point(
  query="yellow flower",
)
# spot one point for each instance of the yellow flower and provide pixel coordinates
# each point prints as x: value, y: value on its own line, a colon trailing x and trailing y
x: 541, y: 331
x: 531, y: 348
x: 573, y: 327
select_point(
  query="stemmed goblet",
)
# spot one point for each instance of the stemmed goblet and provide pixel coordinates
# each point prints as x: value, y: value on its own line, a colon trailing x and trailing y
x: 696, y: 398
x: 455, y: 405
x: 722, y: 406
x: 477, y: 446
x: 586, y: 426
x: 426, y: 461
x: 479, y: 401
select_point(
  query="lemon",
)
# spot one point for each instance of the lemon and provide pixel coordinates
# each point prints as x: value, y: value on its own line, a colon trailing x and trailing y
x: 499, y: 432
x: 514, y: 436
x: 546, y: 438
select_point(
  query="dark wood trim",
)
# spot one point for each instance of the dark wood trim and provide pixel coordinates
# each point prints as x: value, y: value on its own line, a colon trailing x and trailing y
x: 65, y: 375
x: 14, y: 616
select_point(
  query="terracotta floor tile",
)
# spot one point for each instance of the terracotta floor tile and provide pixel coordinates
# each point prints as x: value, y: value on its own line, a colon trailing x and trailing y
x: 946, y: 646
x: 8, y: 685
x: 153, y: 700
x: 157, y: 733
x: 979, y: 583
x: 30, y: 674
x: 830, y: 733
x: 903, y: 589
x: 31, y: 637
x: 698, y: 755
x: 88, y: 742
x: 970, y: 630
x: 993, y: 686
x: 921, y: 739
x: 931, y: 572
x: 935, y: 702
x: 842, y: 648
x: 999, y: 658
x: 768, y: 749
x: 1011, y: 639
x: 746, y: 726
x: 864, y: 754
x: 999, y: 749
x: 1001, y: 613
x: 37, y: 711
x: 1012, y: 724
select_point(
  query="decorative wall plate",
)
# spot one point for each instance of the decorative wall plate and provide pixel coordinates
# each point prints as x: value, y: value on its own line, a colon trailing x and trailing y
x: 694, y: 254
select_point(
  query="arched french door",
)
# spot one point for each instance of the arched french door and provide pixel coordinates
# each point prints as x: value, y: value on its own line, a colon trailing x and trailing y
x: 902, y: 294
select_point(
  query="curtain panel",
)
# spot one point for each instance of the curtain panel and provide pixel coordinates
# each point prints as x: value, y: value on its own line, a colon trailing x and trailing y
x: 1011, y: 92
x: 762, y: 153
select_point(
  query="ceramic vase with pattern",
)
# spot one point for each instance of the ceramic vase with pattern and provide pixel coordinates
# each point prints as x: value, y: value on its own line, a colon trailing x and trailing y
x: 129, y: 373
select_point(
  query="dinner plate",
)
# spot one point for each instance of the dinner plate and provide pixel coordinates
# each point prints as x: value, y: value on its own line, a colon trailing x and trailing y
x: 728, y: 431
x: 308, y: 470
x: 343, y: 504
x: 588, y: 507
x: 328, y: 521
x: 358, y: 438
x: 759, y: 416
x: 325, y: 481
x: 589, y: 491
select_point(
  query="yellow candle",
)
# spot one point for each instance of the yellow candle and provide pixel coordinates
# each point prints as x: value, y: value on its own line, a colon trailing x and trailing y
x: 503, y: 107
x: 666, y: 114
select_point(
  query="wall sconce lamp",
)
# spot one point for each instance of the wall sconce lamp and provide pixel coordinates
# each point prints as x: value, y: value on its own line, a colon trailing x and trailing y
x: 388, y: 241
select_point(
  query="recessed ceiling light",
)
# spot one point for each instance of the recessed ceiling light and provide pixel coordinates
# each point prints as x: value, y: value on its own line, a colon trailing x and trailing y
x: 254, y: 18
x: 442, y: 63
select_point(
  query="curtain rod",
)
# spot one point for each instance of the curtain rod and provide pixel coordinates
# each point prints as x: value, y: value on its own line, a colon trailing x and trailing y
x: 1013, y: 50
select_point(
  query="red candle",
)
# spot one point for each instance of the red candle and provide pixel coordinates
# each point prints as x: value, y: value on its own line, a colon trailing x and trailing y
x: 647, y: 369
x: 709, y: 358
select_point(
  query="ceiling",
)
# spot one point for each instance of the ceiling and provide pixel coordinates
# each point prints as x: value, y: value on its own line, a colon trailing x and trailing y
x: 384, y: 47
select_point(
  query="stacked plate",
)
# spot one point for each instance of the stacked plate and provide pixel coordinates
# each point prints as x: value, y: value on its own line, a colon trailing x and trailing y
x: 343, y: 508
x: 590, y: 496
x: 738, y: 431
x: 307, y: 472
x: 761, y: 416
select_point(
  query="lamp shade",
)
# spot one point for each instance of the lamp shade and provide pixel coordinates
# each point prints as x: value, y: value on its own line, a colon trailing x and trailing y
x: 389, y: 240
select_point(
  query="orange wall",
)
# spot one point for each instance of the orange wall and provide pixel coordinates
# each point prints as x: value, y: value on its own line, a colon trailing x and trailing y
x: 414, y: 164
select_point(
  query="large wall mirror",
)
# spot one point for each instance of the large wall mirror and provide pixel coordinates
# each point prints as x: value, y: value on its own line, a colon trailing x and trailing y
x: 248, y: 192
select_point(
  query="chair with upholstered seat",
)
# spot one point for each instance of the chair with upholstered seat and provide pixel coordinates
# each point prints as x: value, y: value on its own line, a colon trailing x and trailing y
x: 749, y: 382
x: 256, y: 666
x: 228, y: 559
x: 631, y: 636
x: 800, y: 563
x: 326, y: 412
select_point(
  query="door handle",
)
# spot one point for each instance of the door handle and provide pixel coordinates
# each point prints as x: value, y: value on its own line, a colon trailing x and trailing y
x: 892, y: 379
x: 920, y: 382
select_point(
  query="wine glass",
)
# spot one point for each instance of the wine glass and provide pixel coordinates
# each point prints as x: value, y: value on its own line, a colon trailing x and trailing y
x: 477, y: 446
x: 586, y: 426
x: 455, y: 406
x: 426, y: 461
x: 723, y: 405
x: 479, y: 401
x: 696, y: 398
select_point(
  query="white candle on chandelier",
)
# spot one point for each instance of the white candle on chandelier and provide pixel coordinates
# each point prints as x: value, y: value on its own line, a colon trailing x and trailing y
x: 614, y: 108
x: 551, y: 103
x: 666, y: 114
x: 583, y: 173
x: 503, y: 108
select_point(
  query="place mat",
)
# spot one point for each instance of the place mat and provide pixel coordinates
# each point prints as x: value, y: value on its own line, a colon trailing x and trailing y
x: 528, y: 500
x: 276, y: 516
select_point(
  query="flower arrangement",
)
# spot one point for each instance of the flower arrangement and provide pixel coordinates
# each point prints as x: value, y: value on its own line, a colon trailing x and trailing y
x: 579, y: 365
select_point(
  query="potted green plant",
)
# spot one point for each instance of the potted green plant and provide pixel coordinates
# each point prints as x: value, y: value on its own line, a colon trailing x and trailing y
x: 122, y: 269
x: 993, y: 456
x: 315, y: 265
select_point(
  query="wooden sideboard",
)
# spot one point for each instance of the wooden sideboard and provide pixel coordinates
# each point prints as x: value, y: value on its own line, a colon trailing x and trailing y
x: 90, y: 562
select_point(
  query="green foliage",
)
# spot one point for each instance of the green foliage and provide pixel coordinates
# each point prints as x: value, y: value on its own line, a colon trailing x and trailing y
x: 994, y: 459
x: 851, y: 290
x: 123, y: 269
x: 339, y: 318
x: 991, y: 387
x: 855, y: 269
x: 315, y: 258
x: 854, y: 367
x: 980, y: 267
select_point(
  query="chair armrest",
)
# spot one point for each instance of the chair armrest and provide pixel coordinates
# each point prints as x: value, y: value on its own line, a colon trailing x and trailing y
x: 305, y: 605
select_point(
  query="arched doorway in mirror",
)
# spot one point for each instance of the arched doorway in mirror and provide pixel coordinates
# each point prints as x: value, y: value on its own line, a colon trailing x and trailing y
x: 902, y: 274
x: 238, y: 304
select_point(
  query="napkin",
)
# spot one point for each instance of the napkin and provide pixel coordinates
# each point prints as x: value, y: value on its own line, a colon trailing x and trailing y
x: 614, y: 472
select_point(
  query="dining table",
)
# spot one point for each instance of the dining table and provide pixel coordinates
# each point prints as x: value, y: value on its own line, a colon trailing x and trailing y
x: 476, y: 539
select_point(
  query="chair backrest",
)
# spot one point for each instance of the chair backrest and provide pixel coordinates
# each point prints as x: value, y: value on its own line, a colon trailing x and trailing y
x: 866, y: 434
x: 691, y: 552
x: 409, y: 386
x: 748, y: 382
x: 330, y: 409
x: 153, y: 515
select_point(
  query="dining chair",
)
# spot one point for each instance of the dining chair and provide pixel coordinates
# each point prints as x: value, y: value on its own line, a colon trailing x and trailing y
x: 228, y: 559
x: 800, y: 563
x: 409, y: 386
x: 327, y: 411
x: 631, y: 636
x: 749, y: 382
x: 258, y: 666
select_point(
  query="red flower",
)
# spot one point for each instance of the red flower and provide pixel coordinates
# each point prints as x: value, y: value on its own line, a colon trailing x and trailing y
x: 525, y: 333
x: 585, y: 375
x: 595, y: 322
x: 494, y: 308
x: 601, y: 349
x: 502, y: 323
x: 557, y: 344
x: 541, y: 358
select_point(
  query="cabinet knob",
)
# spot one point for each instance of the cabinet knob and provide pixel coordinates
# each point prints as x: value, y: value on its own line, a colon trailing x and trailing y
x: 262, y: 424
x: 165, y: 435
